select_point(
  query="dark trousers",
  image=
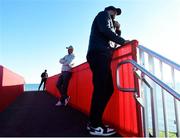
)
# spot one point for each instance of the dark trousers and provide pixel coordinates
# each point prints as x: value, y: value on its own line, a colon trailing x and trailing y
x: 62, y: 84
x: 103, y: 86
x: 43, y: 81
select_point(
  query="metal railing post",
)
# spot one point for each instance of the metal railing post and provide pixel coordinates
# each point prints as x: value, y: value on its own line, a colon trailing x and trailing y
x: 143, y: 94
x: 176, y: 107
x: 145, y: 111
x: 153, y: 99
x: 164, y: 103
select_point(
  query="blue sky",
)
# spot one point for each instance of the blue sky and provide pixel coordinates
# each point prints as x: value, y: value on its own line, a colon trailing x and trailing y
x: 34, y: 33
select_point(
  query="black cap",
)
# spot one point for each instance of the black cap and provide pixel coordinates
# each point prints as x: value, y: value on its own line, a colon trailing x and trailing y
x: 118, y: 10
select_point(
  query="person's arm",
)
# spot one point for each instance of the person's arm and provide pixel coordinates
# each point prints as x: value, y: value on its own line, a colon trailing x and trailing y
x: 62, y: 60
x: 68, y: 61
x: 103, y: 22
x: 41, y: 75
x: 46, y: 75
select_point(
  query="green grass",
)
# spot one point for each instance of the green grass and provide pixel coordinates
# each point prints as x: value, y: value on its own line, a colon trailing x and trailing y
x: 170, y: 134
x: 162, y: 134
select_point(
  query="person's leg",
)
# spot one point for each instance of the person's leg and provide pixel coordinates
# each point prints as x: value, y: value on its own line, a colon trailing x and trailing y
x: 102, y: 92
x: 59, y: 87
x: 109, y: 88
x: 44, y: 84
x: 59, y: 83
x: 100, y: 68
x: 40, y: 85
x: 67, y: 77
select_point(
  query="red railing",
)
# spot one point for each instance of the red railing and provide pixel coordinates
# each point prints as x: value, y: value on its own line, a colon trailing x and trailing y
x: 122, y: 111
x: 11, y: 86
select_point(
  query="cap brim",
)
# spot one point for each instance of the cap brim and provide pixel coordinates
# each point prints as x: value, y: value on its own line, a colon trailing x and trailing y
x: 118, y: 10
x: 69, y: 48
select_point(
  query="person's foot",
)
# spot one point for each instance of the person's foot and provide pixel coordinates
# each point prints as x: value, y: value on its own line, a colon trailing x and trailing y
x: 59, y: 103
x: 89, y: 124
x: 66, y: 101
x: 101, y: 131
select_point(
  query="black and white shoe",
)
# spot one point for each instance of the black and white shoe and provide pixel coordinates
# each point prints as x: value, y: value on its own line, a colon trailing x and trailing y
x: 89, y: 124
x: 101, y: 131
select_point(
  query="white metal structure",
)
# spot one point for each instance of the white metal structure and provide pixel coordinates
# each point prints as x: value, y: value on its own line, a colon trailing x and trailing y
x: 145, y: 70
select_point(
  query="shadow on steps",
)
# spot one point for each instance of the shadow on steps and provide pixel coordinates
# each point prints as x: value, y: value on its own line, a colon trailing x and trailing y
x: 35, y: 114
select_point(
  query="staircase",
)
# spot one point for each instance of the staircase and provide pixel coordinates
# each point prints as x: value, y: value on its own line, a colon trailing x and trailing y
x: 35, y: 114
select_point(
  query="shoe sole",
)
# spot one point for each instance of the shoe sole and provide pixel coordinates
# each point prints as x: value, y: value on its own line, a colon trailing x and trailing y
x: 58, y: 105
x: 88, y: 128
x: 99, y: 134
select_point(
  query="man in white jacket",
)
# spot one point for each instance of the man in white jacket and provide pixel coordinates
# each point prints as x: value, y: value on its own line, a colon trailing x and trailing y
x: 65, y: 76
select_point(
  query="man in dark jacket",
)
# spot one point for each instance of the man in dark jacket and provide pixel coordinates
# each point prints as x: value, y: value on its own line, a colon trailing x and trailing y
x: 99, y: 58
x: 44, y: 77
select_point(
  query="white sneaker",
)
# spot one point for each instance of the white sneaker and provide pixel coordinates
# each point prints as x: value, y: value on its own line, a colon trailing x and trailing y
x: 88, y: 126
x: 100, y: 131
x: 58, y: 103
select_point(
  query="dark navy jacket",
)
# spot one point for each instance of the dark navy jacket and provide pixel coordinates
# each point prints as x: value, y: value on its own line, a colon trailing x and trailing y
x: 101, y: 33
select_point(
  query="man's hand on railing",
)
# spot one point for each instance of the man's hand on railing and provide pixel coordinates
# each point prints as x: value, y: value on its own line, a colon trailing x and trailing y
x: 132, y: 42
x: 127, y: 41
